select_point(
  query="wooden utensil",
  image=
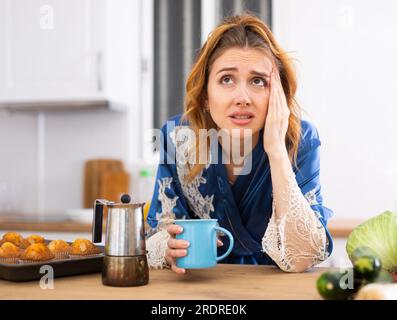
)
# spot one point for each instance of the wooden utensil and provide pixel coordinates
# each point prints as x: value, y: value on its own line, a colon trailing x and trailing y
x: 96, y: 180
x: 113, y: 185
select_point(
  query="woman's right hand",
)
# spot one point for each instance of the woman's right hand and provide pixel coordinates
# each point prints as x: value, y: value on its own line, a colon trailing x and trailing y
x: 177, y: 248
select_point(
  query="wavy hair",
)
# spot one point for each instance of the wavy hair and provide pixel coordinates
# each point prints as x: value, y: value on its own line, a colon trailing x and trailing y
x: 241, y: 31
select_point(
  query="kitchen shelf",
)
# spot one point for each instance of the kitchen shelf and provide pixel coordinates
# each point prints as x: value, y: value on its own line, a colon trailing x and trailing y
x: 59, y: 105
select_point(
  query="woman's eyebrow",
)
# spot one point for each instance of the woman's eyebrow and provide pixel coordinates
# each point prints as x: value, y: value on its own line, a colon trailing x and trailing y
x: 227, y: 69
x: 258, y: 73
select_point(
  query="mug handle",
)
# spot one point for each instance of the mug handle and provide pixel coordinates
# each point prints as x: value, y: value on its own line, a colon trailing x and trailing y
x: 230, y: 244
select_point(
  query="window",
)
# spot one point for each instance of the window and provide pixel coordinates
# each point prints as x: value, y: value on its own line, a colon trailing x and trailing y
x: 177, y: 27
x: 262, y: 8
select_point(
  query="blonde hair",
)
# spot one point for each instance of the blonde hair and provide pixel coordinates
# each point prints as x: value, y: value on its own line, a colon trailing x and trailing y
x: 241, y: 31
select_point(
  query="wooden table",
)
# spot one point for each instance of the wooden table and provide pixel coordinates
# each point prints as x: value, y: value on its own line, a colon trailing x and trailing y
x: 232, y: 282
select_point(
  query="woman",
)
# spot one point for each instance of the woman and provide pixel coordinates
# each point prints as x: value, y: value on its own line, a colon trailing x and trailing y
x: 243, y: 84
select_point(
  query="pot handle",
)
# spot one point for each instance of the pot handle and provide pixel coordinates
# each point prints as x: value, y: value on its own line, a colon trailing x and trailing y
x: 97, y: 222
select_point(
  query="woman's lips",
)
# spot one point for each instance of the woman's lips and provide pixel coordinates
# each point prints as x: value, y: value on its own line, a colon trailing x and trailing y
x: 241, y: 119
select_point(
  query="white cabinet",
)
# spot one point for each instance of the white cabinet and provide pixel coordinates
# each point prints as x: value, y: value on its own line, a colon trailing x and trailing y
x: 51, y: 49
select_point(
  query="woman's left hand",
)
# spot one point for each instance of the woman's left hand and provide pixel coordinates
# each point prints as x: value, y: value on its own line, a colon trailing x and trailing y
x: 276, y: 123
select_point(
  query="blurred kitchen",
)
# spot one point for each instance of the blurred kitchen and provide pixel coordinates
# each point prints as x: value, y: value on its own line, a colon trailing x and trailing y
x: 83, y: 82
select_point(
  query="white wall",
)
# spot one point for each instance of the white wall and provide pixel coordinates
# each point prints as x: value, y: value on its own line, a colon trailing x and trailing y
x: 346, y: 63
x: 70, y: 138
x: 18, y: 162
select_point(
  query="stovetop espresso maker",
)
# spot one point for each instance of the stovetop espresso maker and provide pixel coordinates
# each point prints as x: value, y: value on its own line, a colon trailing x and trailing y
x: 125, y: 262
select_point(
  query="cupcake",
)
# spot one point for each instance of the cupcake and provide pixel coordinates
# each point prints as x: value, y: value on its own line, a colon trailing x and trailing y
x: 35, y: 239
x: 83, y: 247
x: 9, y: 253
x: 61, y: 249
x: 16, y: 239
x: 37, y: 252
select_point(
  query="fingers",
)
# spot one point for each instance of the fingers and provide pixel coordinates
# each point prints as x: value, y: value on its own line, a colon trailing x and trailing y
x: 176, y: 253
x: 277, y: 87
x: 174, y: 229
x: 177, y: 243
x: 280, y: 91
x: 176, y: 248
x: 272, y: 90
x: 172, y: 263
x: 281, y: 106
x: 177, y: 270
x: 219, y: 243
x: 273, y: 99
x: 173, y: 243
x: 279, y: 96
x: 276, y: 83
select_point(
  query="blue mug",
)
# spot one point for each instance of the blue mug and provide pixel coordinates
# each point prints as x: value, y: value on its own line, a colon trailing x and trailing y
x: 201, y: 234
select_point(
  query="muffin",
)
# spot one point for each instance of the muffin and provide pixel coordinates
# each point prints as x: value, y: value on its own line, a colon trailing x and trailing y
x: 34, y: 238
x: 84, y: 247
x: 16, y: 239
x: 61, y: 249
x: 37, y: 252
x: 9, y: 253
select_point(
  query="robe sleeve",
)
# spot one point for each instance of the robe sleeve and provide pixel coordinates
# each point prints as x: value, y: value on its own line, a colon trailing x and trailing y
x: 167, y: 203
x: 301, y: 234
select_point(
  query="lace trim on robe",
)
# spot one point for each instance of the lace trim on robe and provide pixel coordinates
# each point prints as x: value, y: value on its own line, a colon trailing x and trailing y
x: 156, y: 244
x: 300, y: 224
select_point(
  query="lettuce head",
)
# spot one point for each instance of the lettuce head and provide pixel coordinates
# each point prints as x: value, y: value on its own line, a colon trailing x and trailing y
x: 380, y: 234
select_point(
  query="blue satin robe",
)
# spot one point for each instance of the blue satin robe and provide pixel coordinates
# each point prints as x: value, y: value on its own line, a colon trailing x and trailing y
x: 245, y: 207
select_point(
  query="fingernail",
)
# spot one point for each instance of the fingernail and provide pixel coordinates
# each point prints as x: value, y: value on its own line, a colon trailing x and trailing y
x: 180, y: 229
x: 186, y: 243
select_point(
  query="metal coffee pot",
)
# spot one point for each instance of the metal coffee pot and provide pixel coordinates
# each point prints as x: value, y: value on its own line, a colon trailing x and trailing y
x: 125, y: 262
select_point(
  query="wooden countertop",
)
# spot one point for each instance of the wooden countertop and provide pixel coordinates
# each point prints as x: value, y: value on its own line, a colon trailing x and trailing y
x: 225, y: 281
x: 339, y: 228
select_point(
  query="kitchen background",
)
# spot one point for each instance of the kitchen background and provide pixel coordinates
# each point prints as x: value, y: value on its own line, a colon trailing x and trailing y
x: 84, y: 80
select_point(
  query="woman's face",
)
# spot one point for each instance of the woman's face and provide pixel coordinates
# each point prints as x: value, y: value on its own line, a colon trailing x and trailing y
x: 238, y: 90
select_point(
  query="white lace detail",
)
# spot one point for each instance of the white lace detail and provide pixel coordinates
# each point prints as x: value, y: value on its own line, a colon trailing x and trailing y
x: 283, y: 238
x: 166, y: 216
x: 311, y: 197
x: 201, y: 206
x: 156, y: 246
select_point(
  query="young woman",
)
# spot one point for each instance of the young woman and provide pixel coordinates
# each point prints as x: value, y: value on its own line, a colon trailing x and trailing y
x: 243, y: 84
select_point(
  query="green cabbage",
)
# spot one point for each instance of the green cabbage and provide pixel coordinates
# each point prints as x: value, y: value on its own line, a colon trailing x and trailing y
x: 379, y: 234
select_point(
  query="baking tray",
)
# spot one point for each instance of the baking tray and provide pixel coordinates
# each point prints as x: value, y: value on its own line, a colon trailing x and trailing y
x: 61, y: 267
